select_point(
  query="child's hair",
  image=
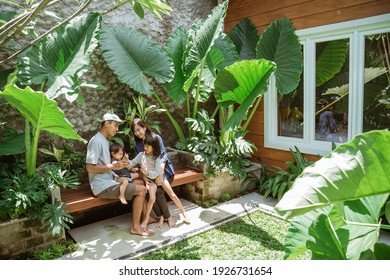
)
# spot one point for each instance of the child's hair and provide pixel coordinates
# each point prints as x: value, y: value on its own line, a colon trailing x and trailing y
x: 152, y: 140
x: 116, y: 147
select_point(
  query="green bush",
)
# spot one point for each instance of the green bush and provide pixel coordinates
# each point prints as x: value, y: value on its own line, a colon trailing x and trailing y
x: 277, y: 181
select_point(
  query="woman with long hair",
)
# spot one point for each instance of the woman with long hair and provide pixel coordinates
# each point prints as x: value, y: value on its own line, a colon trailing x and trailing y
x: 141, y: 131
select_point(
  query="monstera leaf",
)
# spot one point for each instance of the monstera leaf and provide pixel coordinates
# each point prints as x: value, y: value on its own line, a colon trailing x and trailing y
x: 335, y: 204
x: 280, y: 44
x: 133, y: 57
x: 62, y: 58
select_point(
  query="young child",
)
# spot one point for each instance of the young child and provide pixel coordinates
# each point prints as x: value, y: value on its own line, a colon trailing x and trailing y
x: 124, y: 175
x: 150, y: 163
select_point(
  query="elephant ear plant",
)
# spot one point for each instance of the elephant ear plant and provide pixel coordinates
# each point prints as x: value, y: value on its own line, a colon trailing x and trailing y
x: 55, y: 64
x: 335, y: 205
x: 202, y: 63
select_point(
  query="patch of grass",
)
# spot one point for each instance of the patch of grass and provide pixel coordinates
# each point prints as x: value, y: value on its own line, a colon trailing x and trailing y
x: 55, y: 250
x: 255, y: 236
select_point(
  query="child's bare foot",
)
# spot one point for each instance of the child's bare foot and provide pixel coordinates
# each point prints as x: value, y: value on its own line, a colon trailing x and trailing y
x: 152, y: 220
x: 141, y: 232
x: 160, y: 222
x: 144, y: 224
x: 171, y: 222
x: 122, y: 199
x: 186, y: 219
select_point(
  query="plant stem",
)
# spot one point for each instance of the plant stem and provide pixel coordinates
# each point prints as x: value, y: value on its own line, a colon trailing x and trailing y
x: 114, y: 8
x: 82, y: 7
x: 196, y: 99
x: 179, y: 132
x: 27, y: 143
x: 26, y: 21
x: 253, y: 111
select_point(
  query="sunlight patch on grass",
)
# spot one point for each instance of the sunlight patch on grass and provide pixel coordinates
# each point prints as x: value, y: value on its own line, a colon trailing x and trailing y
x: 253, y: 237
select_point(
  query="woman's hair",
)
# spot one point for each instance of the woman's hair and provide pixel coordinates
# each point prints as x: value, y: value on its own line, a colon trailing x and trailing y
x: 152, y: 140
x: 141, y: 123
x: 116, y: 147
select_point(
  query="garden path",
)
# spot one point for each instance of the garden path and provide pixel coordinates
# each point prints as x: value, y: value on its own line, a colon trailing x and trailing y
x: 110, y: 239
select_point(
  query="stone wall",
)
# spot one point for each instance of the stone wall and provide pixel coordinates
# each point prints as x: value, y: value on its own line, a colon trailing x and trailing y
x: 212, y: 187
x: 97, y: 102
x: 21, y: 237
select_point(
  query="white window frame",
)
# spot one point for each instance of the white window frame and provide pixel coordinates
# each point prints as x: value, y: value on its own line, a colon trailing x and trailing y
x: 355, y: 31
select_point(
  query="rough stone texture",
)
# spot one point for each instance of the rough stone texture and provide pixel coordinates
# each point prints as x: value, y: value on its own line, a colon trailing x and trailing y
x: 21, y: 237
x: 97, y: 102
x: 212, y: 187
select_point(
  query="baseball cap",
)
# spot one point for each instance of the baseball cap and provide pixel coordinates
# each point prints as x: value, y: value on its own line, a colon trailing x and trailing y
x: 111, y: 117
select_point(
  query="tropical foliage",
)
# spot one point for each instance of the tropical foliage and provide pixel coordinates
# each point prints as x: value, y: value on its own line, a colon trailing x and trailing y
x: 55, y: 62
x: 335, y: 204
x: 276, y: 181
x: 202, y: 63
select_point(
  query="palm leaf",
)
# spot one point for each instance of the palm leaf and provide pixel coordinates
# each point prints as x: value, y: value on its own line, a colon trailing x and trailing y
x: 133, y: 57
x: 62, y: 58
x: 280, y: 44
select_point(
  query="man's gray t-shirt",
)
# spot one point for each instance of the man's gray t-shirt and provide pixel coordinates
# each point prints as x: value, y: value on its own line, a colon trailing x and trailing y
x: 98, y: 152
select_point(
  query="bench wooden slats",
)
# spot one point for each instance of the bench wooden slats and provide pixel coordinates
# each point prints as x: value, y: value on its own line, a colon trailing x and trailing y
x: 186, y: 175
x: 82, y: 198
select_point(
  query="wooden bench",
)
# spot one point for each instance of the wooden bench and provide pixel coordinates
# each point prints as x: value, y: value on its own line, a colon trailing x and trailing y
x: 82, y: 198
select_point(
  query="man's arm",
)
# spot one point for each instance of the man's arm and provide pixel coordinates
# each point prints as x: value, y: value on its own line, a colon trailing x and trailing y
x: 98, y: 168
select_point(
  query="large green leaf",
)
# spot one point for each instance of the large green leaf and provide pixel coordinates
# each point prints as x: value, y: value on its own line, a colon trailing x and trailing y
x: 331, y: 60
x: 133, y: 57
x: 13, y: 144
x: 369, y: 75
x: 222, y: 54
x: 63, y: 57
x: 326, y: 244
x: 318, y: 230
x: 245, y: 37
x: 280, y: 44
x: 201, y: 38
x: 354, y: 170
x: 175, y: 47
x: 41, y: 112
x: 241, y: 83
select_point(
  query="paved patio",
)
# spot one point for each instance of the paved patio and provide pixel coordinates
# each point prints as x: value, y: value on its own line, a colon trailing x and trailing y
x: 110, y: 239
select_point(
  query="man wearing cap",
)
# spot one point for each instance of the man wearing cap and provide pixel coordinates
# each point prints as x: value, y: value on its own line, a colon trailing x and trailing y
x: 99, y: 168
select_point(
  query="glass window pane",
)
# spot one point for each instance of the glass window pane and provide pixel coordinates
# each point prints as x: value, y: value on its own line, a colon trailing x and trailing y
x: 376, y: 109
x: 290, y: 113
x: 332, y: 89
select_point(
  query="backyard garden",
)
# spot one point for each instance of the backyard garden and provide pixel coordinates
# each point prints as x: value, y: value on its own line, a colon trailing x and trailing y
x: 207, y: 84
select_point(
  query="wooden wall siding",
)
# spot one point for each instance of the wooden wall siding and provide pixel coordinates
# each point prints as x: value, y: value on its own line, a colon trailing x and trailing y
x: 303, y: 14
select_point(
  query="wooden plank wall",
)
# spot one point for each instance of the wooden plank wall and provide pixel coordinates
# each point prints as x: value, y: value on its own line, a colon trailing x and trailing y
x: 303, y: 14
